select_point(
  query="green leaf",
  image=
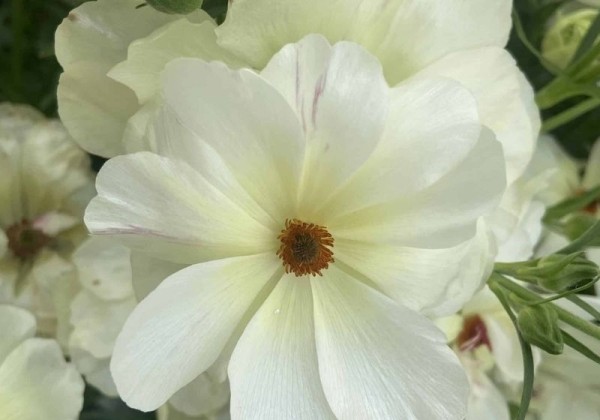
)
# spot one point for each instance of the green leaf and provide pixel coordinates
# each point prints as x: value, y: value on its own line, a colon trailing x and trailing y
x: 571, y: 205
x: 591, y: 236
x: 579, y: 347
x: 584, y: 305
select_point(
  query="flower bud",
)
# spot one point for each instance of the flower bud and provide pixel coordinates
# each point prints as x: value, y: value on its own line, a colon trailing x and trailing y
x: 181, y: 7
x: 559, y: 272
x: 564, y: 36
x: 538, y: 325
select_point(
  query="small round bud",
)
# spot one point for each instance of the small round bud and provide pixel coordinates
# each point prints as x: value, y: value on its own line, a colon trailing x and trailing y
x: 180, y: 7
x: 564, y: 36
x: 538, y: 325
x: 561, y: 277
x: 558, y: 272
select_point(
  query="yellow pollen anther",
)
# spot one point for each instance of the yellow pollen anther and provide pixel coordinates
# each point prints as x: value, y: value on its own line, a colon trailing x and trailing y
x: 305, y: 248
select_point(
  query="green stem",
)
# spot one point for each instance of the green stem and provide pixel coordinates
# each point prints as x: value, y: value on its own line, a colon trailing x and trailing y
x: 529, y: 296
x: 528, y: 368
x: 570, y: 114
x: 558, y: 90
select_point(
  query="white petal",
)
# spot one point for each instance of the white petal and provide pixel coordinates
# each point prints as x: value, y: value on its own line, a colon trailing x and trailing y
x: 101, y: 31
x: 94, y: 108
x: 486, y: 402
x: 442, y: 215
x: 147, y: 57
x: 53, y: 223
x: 201, y: 396
x: 378, y: 359
x: 37, y: 383
x: 95, y: 371
x: 91, y: 40
x: 504, y: 96
x: 180, y: 329
x: 16, y: 325
x: 506, y: 347
x: 166, y: 136
x: 341, y: 97
x: 164, y: 207
x: 104, y: 268
x: 437, y: 282
x: 97, y: 323
x: 246, y: 121
x: 404, y: 34
x: 432, y: 127
x: 273, y: 370
x: 148, y: 272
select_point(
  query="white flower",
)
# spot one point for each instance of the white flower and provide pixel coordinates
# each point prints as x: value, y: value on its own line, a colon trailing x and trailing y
x: 487, y: 344
x: 45, y: 183
x: 320, y: 211
x: 100, y: 309
x: 98, y: 313
x: 112, y: 67
x: 36, y: 382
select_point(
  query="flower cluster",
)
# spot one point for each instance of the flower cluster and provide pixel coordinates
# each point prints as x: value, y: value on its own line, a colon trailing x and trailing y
x: 339, y: 209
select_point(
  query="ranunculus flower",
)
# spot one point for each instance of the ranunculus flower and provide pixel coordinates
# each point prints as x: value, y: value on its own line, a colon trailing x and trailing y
x: 322, y: 215
x: 113, y: 55
x: 35, y: 381
x: 45, y: 184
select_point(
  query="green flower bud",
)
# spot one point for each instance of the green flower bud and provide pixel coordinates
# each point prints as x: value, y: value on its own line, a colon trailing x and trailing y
x: 538, y: 325
x: 559, y: 272
x: 564, y: 36
x: 181, y: 7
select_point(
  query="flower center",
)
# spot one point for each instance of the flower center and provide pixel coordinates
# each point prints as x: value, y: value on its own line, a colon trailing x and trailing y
x: 305, y: 248
x: 473, y: 334
x: 24, y: 240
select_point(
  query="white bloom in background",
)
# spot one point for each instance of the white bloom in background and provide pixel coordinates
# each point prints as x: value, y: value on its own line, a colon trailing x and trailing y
x: 516, y: 223
x: 321, y: 215
x: 35, y: 381
x: 485, y: 340
x: 98, y: 45
x: 45, y: 183
x: 98, y: 313
x: 100, y: 309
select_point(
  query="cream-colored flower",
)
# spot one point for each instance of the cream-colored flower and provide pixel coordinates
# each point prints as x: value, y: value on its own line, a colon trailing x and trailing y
x: 35, y: 381
x: 45, y: 183
x: 321, y: 214
x: 98, y: 313
x: 113, y: 55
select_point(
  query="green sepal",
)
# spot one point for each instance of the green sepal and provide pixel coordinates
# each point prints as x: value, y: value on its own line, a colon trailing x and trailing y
x: 539, y: 326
